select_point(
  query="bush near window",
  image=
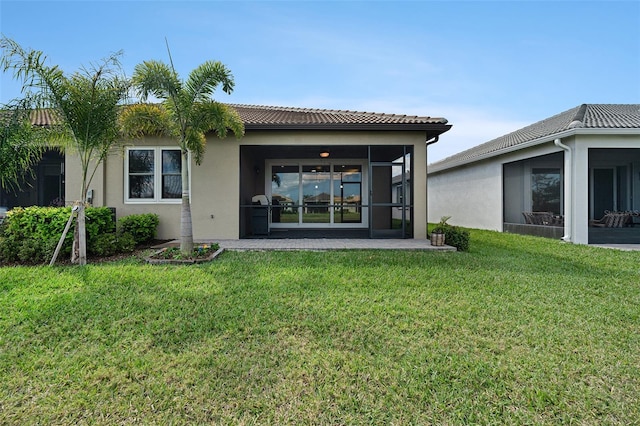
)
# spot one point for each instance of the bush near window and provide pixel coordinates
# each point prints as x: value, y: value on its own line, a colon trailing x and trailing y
x: 142, y: 227
x: 31, y: 234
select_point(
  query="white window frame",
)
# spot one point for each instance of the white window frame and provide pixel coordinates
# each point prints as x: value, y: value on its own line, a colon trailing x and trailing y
x: 157, y: 176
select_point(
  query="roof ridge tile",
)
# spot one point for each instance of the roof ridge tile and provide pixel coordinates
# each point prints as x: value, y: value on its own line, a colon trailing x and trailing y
x: 592, y: 116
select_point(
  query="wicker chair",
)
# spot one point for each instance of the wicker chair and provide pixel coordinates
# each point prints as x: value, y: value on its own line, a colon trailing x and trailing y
x: 543, y: 218
x: 613, y: 220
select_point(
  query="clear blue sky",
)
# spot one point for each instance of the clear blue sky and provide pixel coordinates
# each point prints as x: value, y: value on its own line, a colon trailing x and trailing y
x: 489, y: 67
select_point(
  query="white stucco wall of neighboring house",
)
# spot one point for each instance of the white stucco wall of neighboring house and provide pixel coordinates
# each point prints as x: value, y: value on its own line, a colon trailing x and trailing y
x: 472, y: 194
x: 581, y: 144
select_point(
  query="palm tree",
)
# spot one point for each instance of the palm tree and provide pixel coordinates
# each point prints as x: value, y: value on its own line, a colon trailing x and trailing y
x: 85, y: 107
x: 186, y: 113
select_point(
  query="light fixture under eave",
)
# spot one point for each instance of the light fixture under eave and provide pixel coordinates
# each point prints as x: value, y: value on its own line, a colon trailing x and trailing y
x: 324, y: 153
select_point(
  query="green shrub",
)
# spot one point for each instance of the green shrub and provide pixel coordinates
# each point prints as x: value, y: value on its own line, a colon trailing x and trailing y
x: 142, y: 227
x: 456, y: 237
x: 27, y: 232
x: 99, y: 222
x: 8, y: 247
x: 104, y: 245
x: 31, y: 234
x: 453, y: 236
x: 112, y: 243
x: 126, y: 243
x: 33, y: 250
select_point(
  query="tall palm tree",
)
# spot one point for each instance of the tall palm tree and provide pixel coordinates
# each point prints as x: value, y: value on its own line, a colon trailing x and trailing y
x: 187, y: 112
x: 86, y: 106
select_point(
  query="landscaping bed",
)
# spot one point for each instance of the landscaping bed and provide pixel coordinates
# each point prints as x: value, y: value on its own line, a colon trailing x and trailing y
x: 172, y: 255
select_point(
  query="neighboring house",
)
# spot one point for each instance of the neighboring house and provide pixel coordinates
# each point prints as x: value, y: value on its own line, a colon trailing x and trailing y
x: 574, y: 176
x: 45, y: 185
x: 319, y: 169
x: 400, y: 194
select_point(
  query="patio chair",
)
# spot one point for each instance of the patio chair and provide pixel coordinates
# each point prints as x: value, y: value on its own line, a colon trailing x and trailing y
x: 543, y: 218
x: 612, y: 220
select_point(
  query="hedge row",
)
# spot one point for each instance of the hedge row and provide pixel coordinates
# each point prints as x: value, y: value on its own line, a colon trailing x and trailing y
x: 31, y: 234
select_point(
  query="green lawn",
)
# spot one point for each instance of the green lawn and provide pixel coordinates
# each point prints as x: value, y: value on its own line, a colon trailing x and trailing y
x: 519, y: 330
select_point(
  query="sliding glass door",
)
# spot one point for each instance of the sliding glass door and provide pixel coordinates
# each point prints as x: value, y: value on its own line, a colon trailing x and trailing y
x: 316, y: 196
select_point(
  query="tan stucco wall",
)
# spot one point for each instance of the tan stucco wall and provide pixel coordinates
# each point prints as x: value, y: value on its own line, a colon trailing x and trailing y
x: 215, y: 184
x: 73, y: 180
x: 420, y: 189
x: 169, y: 226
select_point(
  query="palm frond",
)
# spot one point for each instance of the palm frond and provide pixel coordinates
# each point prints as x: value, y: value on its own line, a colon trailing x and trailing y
x: 219, y: 118
x: 146, y: 119
x: 195, y: 142
x: 21, y: 144
x: 157, y: 79
x: 205, y: 79
x: 41, y: 83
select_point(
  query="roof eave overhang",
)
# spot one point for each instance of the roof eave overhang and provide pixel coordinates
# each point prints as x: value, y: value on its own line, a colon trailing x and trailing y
x: 532, y: 143
x: 431, y: 128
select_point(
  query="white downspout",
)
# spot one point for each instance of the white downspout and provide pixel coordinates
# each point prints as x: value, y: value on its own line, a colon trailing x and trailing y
x: 568, y: 194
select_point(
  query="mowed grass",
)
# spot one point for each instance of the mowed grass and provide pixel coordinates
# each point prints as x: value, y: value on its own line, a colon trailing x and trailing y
x: 519, y: 330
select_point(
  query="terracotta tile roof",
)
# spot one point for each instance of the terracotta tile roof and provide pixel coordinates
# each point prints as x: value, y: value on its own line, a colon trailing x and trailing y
x: 264, y: 117
x: 270, y: 117
x: 585, y: 116
x: 42, y: 117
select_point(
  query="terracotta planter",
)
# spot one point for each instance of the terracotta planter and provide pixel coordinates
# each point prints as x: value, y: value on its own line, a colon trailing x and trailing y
x: 437, y: 239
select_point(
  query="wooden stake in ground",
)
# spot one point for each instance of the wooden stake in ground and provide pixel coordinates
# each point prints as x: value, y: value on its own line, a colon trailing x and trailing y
x: 64, y: 234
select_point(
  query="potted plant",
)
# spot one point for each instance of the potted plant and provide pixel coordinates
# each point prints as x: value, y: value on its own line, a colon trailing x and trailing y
x: 437, y: 233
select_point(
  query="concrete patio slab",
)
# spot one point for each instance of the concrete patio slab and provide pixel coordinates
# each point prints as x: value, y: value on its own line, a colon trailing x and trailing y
x: 625, y: 247
x: 321, y: 244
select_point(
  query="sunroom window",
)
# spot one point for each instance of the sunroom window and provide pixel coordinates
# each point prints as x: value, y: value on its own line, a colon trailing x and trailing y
x: 545, y: 190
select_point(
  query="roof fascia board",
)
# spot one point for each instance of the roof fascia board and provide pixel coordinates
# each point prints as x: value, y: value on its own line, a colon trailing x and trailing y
x: 535, y: 142
x: 441, y: 128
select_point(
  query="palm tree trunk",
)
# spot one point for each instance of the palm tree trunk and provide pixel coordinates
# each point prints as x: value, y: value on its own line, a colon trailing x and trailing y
x: 82, y: 235
x: 79, y: 251
x: 186, y: 226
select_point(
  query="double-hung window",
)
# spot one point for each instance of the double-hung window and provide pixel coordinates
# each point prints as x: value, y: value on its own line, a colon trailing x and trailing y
x: 153, y: 175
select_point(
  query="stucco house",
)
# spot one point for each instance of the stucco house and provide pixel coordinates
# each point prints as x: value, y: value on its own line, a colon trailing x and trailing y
x: 294, y: 169
x: 574, y: 176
